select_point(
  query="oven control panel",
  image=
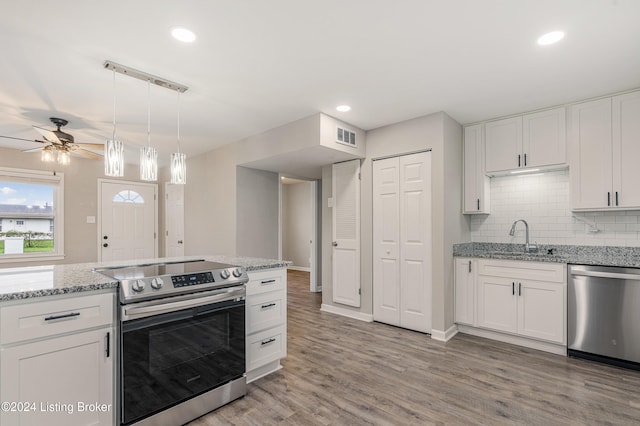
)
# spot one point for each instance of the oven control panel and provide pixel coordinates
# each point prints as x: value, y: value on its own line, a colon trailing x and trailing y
x: 192, y: 279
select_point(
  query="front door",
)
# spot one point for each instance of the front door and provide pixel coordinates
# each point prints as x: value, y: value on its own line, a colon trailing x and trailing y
x: 174, y: 223
x: 128, y: 220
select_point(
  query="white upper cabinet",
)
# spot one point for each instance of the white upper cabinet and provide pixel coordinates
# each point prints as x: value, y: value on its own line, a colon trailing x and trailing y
x: 544, y: 138
x: 503, y: 144
x: 591, y: 154
x: 530, y: 140
x: 476, y: 183
x: 605, y: 148
x: 626, y: 150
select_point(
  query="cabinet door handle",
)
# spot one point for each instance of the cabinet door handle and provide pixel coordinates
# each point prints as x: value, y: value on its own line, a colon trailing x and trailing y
x: 525, y: 160
x: 269, y: 305
x: 63, y: 316
x: 519, y: 160
x: 267, y: 282
x: 478, y: 204
x: 266, y: 342
x: 608, y: 198
x: 469, y: 266
x: 519, y: 289
x: 513, y: 288
x: 108, y: 345
x: 616, y: 198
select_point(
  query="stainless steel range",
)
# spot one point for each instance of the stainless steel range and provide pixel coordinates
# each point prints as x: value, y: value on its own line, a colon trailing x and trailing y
x: 182, y: 339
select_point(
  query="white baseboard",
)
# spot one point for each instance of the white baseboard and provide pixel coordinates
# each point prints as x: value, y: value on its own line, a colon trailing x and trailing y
x: 346, y: 313
x: 444, y: 336
x: 514, y: 340
x: 299, y: 268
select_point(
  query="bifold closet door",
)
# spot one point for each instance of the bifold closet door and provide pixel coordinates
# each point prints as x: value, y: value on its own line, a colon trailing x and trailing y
x: 402, y: 241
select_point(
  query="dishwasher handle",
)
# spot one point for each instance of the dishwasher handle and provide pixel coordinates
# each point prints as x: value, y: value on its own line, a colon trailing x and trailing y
x: 600, y: 274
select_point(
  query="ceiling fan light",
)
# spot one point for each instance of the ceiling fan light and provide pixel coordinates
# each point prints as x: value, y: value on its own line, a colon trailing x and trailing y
x: 47, y: 155
x: 64, y: 158
x: 178, y: 168
x: 148, y: 163
x: 114, y: 158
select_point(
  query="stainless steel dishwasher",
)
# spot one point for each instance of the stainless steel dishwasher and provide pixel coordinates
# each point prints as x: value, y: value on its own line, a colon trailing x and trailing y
x: 604, y: 314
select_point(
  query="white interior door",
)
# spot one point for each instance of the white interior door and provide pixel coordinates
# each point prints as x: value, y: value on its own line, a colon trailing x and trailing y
x: 346, y: 233
x: 402, y: 241
x: 174, y: 220
x: 313, y: 252
x: 386, y: 244
x: 415, y: 241
x: 128, y: 220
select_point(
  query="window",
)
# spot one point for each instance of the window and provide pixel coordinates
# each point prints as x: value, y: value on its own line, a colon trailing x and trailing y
x: 31, y: 215
x: 128, y: 196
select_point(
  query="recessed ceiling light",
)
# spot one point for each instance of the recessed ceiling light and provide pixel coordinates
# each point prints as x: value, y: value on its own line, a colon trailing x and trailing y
x: 183, y: 34
x: 550, y: 38
x: 343, y: 108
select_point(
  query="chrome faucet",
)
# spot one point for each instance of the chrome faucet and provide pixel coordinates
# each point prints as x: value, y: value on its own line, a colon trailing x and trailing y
x: 528, y: 248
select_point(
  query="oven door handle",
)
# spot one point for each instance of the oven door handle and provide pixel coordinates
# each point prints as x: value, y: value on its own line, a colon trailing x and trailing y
x: 165, y: 307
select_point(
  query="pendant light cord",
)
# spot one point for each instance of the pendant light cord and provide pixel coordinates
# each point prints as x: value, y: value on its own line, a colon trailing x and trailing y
x: 114, y: 104
x: 149, y: 113
x: 178, y: 121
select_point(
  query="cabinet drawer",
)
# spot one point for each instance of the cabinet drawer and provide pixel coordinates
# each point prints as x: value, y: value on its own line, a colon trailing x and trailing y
x: 42, y: 319
x: 266, y: 346
x: 266, y: 310
x: 539, y: 271
x: 269, y: 280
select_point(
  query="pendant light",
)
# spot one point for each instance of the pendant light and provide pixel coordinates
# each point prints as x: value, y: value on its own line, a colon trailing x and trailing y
x: 148, y: 154
x: 178, y: 159
x: 114, y: 149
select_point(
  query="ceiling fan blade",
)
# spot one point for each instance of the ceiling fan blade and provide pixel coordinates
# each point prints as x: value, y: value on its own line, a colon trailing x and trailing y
x: 48, y: 135
x: 33, y: 150
x: 22, y: 139
x: 88, y: 154
x: 90, y: 145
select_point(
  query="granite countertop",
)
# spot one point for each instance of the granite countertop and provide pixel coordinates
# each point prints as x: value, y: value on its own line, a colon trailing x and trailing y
x: 38, y: 281
x: 582, y: 255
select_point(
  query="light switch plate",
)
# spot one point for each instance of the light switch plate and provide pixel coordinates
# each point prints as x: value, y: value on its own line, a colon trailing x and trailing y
x: 91, y: 219
x: 330, y: 202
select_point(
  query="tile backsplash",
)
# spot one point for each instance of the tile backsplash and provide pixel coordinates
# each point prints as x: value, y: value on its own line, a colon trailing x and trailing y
x: 543, y: 201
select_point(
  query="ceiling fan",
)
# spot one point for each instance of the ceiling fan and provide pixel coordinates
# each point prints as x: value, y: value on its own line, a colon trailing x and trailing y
x: 60, y: 143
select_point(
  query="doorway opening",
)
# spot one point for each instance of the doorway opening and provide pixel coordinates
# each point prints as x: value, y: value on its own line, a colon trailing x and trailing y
x: 299, y: 227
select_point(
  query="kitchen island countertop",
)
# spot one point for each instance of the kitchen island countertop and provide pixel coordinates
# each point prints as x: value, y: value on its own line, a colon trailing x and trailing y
x: 39, y: 281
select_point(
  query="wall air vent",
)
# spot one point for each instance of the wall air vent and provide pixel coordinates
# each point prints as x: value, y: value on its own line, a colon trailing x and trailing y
x: 346, y: 137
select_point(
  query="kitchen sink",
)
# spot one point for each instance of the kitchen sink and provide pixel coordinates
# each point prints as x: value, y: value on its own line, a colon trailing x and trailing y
x: 540, y: 255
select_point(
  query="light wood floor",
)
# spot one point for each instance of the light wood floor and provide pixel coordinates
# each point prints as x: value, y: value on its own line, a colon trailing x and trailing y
x: 341, y: 371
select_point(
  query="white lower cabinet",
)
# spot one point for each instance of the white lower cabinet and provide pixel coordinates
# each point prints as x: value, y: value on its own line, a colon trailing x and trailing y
x: 465, y: 290
x: 65, y: 375
x: 522, y: 302
x: 266, y: 322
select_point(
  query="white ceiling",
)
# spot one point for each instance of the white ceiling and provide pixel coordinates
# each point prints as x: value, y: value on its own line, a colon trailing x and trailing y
x: 259, y: 64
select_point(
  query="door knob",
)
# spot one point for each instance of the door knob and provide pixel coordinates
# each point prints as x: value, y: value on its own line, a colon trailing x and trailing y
x: 105, y: 245
x: 335, y: 244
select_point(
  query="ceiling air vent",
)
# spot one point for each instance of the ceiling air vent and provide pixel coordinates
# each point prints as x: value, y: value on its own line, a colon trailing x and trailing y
x: 345, y: 137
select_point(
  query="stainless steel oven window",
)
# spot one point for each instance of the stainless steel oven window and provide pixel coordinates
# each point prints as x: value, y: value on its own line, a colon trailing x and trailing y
x: 169, y: 358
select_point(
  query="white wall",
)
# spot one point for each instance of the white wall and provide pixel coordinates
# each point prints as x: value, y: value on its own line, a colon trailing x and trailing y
x: 80, y: 200
x: 296, y: 223
x: 211, y: 193
x: 543, y: 201
x: 444, y: 136
x: 257, y: 213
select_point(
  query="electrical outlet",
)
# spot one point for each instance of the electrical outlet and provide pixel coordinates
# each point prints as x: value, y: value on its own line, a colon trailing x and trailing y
x: 91, y: 219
